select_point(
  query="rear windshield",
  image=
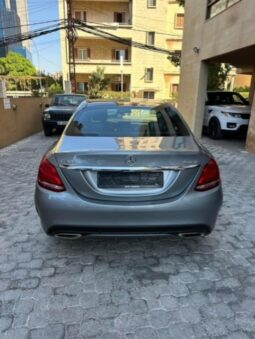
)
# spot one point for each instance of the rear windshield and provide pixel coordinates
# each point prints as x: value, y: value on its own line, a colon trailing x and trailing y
x: 127, y: 121
x: 67, y: 100
x: 226, y: 98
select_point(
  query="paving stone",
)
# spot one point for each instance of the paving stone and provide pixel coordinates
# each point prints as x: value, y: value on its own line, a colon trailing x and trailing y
x: 5, y: 323
x: 125, y: 288
x: 52, y: 331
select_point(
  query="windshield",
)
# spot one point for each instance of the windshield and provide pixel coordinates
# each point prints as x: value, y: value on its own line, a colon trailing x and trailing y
x: 67, y: 100
x: 127, y: 121
x: 226, y: 98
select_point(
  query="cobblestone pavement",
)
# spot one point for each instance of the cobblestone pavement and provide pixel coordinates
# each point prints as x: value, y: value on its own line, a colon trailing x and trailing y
x: 125, y: 288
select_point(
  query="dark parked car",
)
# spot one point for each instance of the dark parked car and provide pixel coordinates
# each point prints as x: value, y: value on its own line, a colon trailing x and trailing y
x: 127, y: 169
x: 56, y: 116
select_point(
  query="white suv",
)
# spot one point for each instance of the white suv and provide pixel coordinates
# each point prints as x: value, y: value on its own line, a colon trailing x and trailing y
x: 226, y: 111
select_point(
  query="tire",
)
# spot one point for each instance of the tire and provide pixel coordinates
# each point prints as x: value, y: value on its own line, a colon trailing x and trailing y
x: 215, y: 131
x: 47, y: 132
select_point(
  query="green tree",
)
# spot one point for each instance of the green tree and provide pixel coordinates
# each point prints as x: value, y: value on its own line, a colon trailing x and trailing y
x: 16, y: 65
x: 2, y: 66
x: 98, y: 83
x: 217, y: 75
x: 55, y: 88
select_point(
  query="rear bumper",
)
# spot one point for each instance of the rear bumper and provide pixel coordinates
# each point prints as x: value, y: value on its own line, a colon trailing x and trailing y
x: 68, y: 213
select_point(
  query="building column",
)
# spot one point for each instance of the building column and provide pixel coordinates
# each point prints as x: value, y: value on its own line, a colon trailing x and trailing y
x: 250, y: 141
x: 192, y: 98
x: 252, y: 87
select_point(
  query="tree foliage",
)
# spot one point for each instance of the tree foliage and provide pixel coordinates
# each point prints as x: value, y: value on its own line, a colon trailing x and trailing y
x: 217, y: 75
x: 98, y: 83
x: 15, y: 64
x: 55, y: 88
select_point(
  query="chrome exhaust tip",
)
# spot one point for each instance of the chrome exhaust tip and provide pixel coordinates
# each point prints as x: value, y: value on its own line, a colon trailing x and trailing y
x: 190, y: 235
x: 68, y: 236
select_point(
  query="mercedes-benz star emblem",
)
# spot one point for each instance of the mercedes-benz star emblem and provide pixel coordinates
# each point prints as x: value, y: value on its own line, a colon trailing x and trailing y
x: 131, y: 160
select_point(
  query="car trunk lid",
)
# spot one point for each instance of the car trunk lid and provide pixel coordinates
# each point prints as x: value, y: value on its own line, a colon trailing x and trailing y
x: 129, y: 169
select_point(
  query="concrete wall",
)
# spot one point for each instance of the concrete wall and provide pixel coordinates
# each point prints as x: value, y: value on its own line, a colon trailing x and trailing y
x: 22, y: 122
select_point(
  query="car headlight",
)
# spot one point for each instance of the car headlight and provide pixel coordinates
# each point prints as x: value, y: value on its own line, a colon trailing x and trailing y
x: 236, y: 115
x: 46, y: 116
x: 226, y: 114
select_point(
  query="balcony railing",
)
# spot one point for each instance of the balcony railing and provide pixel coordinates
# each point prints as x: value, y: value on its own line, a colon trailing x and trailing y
x: 101, y: 62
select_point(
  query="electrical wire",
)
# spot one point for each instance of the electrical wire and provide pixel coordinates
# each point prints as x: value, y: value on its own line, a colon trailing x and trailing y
x: 98, y: 32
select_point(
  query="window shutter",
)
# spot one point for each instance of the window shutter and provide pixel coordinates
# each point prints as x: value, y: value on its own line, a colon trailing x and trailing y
x: 84, y: 16
x: 77, y: 15
x: 88, y: 52
x: 123, y: 17
x: 113, y: 55
x: 126, y: 54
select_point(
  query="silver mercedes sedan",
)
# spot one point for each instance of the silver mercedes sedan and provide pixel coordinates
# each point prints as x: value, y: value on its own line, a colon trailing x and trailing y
x: 127, y: 170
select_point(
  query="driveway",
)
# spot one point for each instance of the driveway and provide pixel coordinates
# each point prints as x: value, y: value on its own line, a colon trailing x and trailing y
x: 125, y: 288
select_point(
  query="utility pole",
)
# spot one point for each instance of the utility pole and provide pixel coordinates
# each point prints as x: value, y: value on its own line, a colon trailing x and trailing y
x: 122, y: 55
x: 71, y: 37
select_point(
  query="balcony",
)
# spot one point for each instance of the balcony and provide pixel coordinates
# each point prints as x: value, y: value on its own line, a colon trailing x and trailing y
x: 110, y: 68
x: 107, y: 14
x: 90, y: 53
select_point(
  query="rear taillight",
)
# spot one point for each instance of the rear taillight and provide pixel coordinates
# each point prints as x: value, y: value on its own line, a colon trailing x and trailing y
x: 210, y: 177
x: 48, y: 176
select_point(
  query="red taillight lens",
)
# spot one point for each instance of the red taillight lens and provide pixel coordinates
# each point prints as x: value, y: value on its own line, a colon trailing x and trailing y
x: 48, y: 176
x: 210, y: 177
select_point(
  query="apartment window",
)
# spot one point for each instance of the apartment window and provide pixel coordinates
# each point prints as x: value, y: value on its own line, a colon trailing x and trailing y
x: 151, y: 3
x: 82, y: 87
x: 149, y: 74
x: 151, y: 38
x: 116, y: 53
x: 80, y: 15
x: 175, y: 89
x: 120, y: 17
x: 179, y: 21
x: 116, y: 87
x: 215, y: 7
x: 149, y: 95
x: 82, y: 53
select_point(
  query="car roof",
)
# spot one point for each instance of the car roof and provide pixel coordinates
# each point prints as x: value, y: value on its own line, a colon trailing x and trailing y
x: 71, y: 95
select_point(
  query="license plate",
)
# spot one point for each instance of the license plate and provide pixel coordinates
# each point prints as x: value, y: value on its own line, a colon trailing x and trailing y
x: 62, y: 123
x: 130, y: 179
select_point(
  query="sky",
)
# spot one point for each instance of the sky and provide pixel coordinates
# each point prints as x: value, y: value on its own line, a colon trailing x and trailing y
x: 48, y: 57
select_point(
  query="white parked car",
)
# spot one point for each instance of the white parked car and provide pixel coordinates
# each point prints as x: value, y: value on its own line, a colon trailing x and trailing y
x: 226, y: 112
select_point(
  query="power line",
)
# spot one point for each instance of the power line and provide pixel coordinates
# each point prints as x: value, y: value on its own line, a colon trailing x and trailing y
x: 98, y: 32
x: 34, y: 24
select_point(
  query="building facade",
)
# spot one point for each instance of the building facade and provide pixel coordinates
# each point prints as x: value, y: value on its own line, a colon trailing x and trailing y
x: 13, y: 21
x: 147, y: 74
x: 217, y: 31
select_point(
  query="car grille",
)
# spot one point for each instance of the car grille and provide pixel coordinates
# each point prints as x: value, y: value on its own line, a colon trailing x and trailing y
x: 60, y: 116
x: 246, y: 116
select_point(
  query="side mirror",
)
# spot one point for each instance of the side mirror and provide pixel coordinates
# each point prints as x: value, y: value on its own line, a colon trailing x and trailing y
x: 46, y: 105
